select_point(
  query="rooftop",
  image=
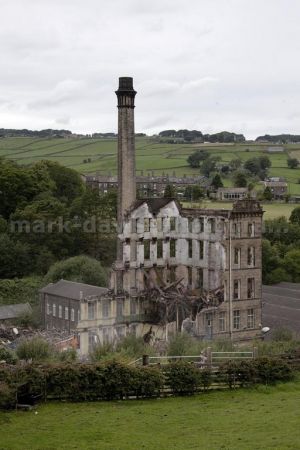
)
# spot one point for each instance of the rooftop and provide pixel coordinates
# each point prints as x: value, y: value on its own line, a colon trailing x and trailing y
x: 72, y: 289
x: 13, y: 311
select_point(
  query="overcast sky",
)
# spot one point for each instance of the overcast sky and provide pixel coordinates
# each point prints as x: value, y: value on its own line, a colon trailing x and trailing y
x: 210, y: 65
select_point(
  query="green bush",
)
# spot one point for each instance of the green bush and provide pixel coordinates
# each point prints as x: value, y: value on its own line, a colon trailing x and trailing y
x: 31, y: 384
x: 205, y: 378
x: 109, y: 381
x: 7, y: 355
x: 7, y: 396
x: 183, y: 344
x: 182, y: 378
x: 100, y: 351
x: 35, y: 349
x: 270, y: 370
x: 248, y: 372
x: 238, y: 372
x: 134, y: 346
x: 82, y: 269
x: 20, y: 290
x: 149, y: 382
x: 282, y: 335
x: 69, y: 355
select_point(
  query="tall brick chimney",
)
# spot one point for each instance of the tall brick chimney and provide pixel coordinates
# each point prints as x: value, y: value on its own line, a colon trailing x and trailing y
x: 126, y: 147
x: 126, y: 165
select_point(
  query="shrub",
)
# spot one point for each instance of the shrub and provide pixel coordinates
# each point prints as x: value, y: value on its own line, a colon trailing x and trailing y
x: 31, y: 384
x: 261, y: 370
x: 7, y: 396
x: 205, y: 378
x: 149, y: 382
x: 228, y: 373
x: 134, y: 346
x: 100, y: 351
x: 182, y: 378
x: 282, y: 335
x: 183, y: 344
x: 119, y: 381
x: 69, y: 355
x: 7, y: 355
x: 81, y: 268
x: 36, y: 349
x: 268, y: 370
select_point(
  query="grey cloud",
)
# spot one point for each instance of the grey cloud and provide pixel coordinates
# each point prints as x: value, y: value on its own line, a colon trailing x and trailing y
x: 211, y: 65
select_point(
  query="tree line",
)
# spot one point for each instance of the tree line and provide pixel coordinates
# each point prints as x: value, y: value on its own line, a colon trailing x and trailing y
x: 192, y: 135
x: 47, y: 214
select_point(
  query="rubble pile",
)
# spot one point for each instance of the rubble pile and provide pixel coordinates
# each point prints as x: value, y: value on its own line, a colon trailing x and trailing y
x: 173, y: 301
x: 10, y: 335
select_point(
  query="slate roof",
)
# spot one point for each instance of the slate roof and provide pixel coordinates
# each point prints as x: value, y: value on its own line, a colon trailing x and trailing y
x: 154, y: 204
x: 12, y: 311
x: 72, y: 289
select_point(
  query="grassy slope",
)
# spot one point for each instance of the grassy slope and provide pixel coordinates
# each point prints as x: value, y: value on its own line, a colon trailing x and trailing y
x: 157, y: 157
x: 258, y: 419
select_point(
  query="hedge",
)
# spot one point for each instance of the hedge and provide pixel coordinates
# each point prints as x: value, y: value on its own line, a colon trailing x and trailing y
x: 113, y: 381
x: 261, y: 370
x: 80, y: 382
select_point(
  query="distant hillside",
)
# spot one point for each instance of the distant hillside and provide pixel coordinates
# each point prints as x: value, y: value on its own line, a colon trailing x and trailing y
x: 279, y: 138
x: 197, y: 136
x: 4, y: 132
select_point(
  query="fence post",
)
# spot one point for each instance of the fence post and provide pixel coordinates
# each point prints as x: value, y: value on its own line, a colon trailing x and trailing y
x: 255, y: 352
x: 145, y: 360
x: 208, y: 355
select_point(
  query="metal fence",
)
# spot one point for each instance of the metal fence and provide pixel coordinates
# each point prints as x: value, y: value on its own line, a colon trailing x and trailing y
x: 207, y: 358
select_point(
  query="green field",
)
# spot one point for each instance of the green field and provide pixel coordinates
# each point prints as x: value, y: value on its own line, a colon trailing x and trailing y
x: 264, y: 418
x: 101, y: 155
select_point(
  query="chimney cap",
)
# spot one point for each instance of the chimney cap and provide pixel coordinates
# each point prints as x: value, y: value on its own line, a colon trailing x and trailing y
x: 126, y: 84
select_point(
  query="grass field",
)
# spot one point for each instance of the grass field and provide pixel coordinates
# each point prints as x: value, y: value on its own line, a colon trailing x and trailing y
x: 264, y: 418
x: 272, y: 210
x: 150, y: 156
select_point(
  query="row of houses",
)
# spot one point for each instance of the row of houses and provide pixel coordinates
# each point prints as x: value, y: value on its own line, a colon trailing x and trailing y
x: 149, y: 185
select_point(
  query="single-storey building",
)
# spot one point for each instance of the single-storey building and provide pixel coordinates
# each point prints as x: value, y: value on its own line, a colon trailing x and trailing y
x: 9, y: 313
x: 231, y: 193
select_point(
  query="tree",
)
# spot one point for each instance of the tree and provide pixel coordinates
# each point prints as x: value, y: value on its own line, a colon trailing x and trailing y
x: 193, y: 193
x: 295, y: 216
x: 82, y: 269
x: 195, y: 158
x: 240, y: 180
x: 15, y: 258
x: 170, y: 191
x: 258, y: 166
x: 292, y: 262
x: 17, y: 187
x: 209, y: 165
x: 217, y: 182
x: 235, y: 163
x: 45, y: 231
x: 267, y: 194
x: 292, y: 163
x: 270, y: 260
x: 97, y: 235
x: 264, y: 162
x: 67, y: 182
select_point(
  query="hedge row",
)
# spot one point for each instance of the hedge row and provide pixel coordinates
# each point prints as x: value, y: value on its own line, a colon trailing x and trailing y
x: 77, y: 382
x: 257, y: 371
x: 111, y: 381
